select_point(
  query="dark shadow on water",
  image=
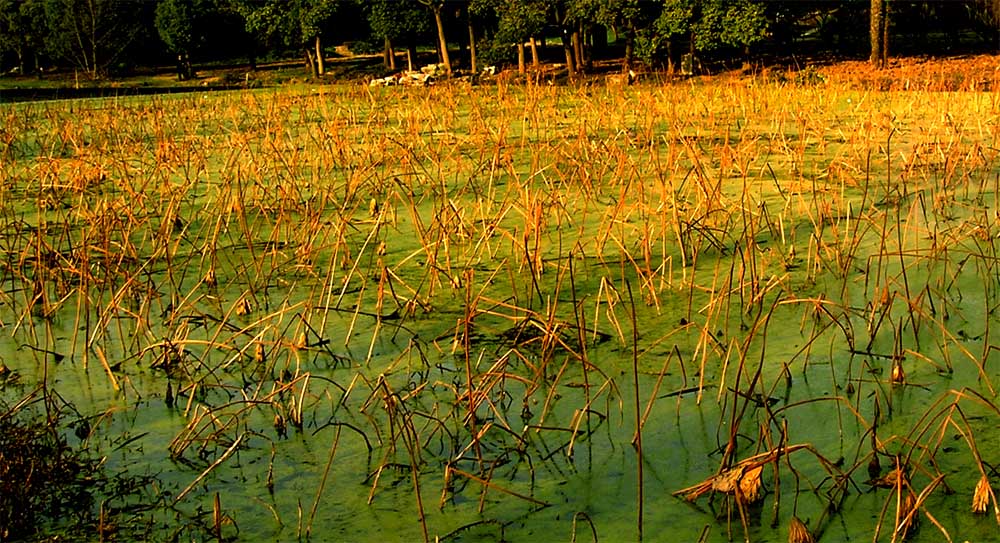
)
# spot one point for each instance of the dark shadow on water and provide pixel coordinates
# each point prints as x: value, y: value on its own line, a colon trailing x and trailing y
x: 9, y: 96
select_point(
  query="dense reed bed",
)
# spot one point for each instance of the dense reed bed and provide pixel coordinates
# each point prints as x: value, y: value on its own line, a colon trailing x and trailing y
x: 734, y: 309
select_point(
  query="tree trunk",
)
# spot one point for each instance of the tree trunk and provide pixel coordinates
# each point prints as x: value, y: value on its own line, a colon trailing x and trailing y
x: 93, y: 42
x: 389, y: 56
x: 995, y: 19
x: 472, y: 45
x: 689, y: 60
x: 562, y: 18
x: 629, y: 48
x: 520, y: 57
x: 320, y: 68
x: 568, y: 50
x: 578, y: 55
x: 439, y: 21
x: 885, y: 35
x: 670, y: 56
x: 19, y: 49
x: 311, y: 62
x: 184, y: 70
x: 411, y: 56
x: 534, y: 53
x: 877, y: 33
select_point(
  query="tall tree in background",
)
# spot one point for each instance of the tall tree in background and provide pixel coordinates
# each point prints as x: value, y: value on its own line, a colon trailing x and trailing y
x: 518, y: 21
x: 708, y: 25
x: 291, y: 23
x: 179, y: 24
x: 97, y: 36
x: 313, y: 14
x: 673, y: 24
x: 569, y: 16
x: 22, y: 31
x: 436, y: 7
x: 988, y: 11
x: 735, y: 23
x: 483, y: 21
x: 626, y: 18
x: 879, y: 33
x: 470, y: 21
x: 92, y: 34
x: 578, y: 18
x: 398, y: 23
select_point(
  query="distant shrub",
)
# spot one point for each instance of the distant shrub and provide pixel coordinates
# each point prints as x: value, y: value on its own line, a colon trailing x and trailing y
x: 495, y: 52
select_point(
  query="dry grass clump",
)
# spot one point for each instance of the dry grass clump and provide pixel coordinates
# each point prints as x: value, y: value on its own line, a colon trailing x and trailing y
x: 41, y: 476
x: 798, y: 532
x: 981, y: 496
x: 967, y: 73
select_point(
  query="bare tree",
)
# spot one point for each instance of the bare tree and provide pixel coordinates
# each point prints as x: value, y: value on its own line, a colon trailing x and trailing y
x: 92, y: 34
x: 436, y: 7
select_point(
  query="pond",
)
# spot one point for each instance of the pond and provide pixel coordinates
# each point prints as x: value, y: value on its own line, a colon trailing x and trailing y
x: 719, y: 310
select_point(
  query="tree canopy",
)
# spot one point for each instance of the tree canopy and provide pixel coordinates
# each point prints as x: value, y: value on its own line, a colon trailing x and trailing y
x: 97, y: 37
